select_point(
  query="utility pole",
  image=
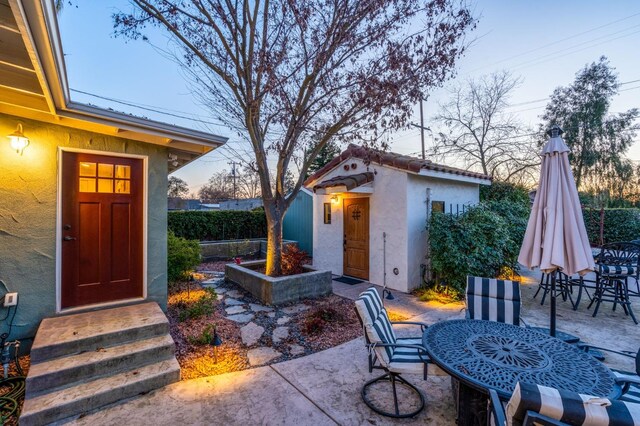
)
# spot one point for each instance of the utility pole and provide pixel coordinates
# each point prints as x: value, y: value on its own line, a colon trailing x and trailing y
x: 422, y: 128
x: 234, y: 176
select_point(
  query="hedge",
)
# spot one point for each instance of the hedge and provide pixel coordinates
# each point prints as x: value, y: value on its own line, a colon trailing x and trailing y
x: 218, y: 225
x: 619, y: 225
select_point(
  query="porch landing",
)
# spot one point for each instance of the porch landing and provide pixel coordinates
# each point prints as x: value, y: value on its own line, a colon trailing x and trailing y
x: 85, y: 361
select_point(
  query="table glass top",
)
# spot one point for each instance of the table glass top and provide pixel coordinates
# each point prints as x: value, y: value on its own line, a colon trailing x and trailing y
x: 489, y: 354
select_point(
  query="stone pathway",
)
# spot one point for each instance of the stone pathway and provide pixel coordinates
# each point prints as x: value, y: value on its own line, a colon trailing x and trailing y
x: 261, y: 326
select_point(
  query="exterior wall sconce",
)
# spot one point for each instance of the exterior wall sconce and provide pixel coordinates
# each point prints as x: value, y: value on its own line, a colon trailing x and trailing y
x: 18, y: 140
x: 334, y: 199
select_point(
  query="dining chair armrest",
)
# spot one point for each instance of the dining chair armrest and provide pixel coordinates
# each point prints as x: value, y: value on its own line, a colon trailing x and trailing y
x: 627, y: 378
x: 496, y: 409
x: 422, y: 325
x: 524, y: 323
x: 422, y: 352
x: 586, y: 347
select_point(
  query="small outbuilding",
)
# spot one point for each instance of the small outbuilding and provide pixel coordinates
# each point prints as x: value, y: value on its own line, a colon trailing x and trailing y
x: 370, y: 211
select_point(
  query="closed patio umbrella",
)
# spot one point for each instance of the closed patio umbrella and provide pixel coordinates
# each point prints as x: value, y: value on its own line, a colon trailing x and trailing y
x: 556, y: 238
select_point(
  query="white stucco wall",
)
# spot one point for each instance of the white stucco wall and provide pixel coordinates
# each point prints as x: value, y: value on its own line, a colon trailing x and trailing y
x: 387, y: 213
x: 397, y: 207
x: 449, y: 191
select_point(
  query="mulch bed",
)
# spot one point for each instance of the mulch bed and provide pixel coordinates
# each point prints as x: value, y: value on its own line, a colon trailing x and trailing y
x: 326, y: 322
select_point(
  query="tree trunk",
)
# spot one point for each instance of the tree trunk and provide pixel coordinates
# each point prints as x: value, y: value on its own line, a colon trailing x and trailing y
x: 274, y: 241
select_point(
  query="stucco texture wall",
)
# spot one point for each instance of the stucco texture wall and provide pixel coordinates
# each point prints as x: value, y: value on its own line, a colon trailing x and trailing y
x: 397, y: 208
x: 28, y: 197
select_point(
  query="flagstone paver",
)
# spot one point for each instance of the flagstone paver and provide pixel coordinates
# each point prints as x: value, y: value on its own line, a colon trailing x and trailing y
x: 234, y: 293
x: 296, y: 350
x: 251, y: 333
x: 235, y: 310
x: 295, y: 309
x: 279, y: 334
x: 283, y: 320
x: 259, y: 356
x: 241, y: 318
x: 231, y: 301
x: 259, y: 308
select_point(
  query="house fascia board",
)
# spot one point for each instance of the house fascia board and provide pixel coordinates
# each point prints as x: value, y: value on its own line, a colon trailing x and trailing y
x: 452, y: 176
x: 40, y: 22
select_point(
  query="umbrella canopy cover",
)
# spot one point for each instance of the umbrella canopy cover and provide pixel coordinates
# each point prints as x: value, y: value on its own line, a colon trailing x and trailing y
x: 556, y: 237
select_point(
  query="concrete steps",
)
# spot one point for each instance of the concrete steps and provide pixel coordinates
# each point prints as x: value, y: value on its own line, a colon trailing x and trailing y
x: 82, y: 362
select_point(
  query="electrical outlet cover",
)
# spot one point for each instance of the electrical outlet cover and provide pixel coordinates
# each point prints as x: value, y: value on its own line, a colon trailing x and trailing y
x: 10, y: 299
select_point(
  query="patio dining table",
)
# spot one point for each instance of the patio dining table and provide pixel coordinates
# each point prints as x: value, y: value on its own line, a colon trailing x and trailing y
x: 481, y: 355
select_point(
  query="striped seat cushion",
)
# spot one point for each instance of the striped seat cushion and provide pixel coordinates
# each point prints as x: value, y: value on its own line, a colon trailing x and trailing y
x: 633, y: 394
x: 617, y: 270
x: 569, y: 407
x: 493, y: 300
x: 407, y: 360
x: 377, y: 325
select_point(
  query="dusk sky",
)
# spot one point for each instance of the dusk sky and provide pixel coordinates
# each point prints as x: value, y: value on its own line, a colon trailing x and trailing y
x: 544, y: 42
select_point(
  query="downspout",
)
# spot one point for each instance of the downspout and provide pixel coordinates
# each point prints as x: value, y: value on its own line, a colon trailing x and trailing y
x: 426, y: 266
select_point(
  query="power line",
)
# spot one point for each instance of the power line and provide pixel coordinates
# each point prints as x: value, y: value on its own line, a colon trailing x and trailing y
x: 556, y: 42
x: 132, y: 104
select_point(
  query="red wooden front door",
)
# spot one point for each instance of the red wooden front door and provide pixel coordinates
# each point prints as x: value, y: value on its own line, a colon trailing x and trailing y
x: 102, y: 229
x: 356, y: 237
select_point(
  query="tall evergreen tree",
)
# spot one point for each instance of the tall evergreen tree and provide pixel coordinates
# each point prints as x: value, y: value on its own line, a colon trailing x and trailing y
x: 597, y: 138
x: 326, y: 154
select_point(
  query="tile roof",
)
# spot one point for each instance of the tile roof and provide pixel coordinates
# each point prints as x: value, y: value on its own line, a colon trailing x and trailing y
x: 350, y: 181
x: 391, y: 159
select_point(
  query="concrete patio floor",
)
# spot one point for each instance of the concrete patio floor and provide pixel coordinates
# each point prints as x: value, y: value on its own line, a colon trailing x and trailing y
x: 324, y: 388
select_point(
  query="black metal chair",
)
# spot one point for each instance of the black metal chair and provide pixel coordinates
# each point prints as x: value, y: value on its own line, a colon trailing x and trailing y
x: 560, y: 408
x: 616, y: 262
x: 387, y: 352
x: 630, y: 381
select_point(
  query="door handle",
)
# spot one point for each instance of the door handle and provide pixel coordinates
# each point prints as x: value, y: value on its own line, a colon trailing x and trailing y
x: 68, y: 238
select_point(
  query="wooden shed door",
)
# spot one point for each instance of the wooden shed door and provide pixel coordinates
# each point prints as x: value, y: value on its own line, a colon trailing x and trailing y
x: 356, y: 237
x: 102, y: 235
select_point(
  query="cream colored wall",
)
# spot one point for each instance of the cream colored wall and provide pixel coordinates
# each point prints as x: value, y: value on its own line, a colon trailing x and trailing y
x: 28, y: 191
x: 387, y: 214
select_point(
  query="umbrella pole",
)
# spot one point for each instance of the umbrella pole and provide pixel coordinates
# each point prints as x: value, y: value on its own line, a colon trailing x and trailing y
x: 552, y: 328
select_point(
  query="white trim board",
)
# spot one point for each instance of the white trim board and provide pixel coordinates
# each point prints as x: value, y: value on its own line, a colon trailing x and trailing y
x: 145, y: 200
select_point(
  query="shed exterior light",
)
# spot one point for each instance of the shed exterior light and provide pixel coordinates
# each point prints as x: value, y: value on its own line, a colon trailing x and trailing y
x: 334, y: 199
x: 18, y: 140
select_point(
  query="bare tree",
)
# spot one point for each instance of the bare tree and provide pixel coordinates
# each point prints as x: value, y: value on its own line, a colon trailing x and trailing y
x: 291, y: 75
x: 249, y: 183
x: 177, y: 188
x: 218, y: 188
x: 482, y: 133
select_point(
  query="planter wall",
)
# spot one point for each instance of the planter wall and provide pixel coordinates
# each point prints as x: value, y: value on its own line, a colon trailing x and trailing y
x: 223, y: 250
x: 275, y: 291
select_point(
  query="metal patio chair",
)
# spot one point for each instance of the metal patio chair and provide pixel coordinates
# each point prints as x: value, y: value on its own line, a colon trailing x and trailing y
x: 630, y: 381
x: 560, y: 407
x: 617, y: 263
x: 493, y: 300
x: 387, y: 352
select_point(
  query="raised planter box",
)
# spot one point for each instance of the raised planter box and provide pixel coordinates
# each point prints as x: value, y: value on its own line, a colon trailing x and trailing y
x: 278, y: 290
x: 227, y: 249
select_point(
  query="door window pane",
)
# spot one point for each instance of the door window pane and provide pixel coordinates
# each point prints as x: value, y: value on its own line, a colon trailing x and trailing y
x: 87, y: 169
x: 105, y: 185
x: 87, y: 185
x: 105, y: 170
x: 122, y: 186
x: 123, y: 172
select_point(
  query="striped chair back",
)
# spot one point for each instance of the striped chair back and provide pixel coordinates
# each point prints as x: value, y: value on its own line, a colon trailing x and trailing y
x: 376, y: 324
x: 569, y: 408
x: 493, y: 300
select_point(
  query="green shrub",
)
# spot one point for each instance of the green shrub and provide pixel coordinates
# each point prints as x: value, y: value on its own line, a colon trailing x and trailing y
x: 182, y: 256
x: 505, y: 191
x: 478, y: 242
x: 218, y: 225
x: 205, y: 338
x: 315, y: 321
x: 619, y: 225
